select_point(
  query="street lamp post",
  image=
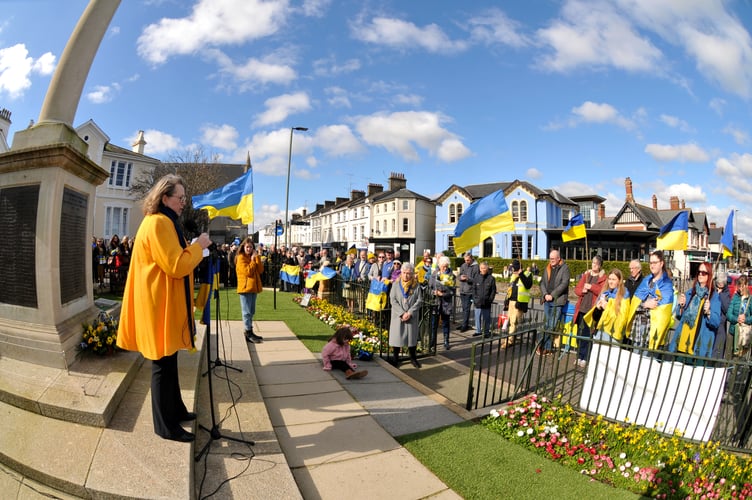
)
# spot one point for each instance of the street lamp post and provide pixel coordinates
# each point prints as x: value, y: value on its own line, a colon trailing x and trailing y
x: 287, y: 190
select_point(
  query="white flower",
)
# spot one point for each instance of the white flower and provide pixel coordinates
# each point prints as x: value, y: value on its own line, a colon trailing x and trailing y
x: 622, y: 455
x: 520, y: 433
x: 636, y: 469
x: 628, y: 464
x: 622, y: 468
x: 530, y: 430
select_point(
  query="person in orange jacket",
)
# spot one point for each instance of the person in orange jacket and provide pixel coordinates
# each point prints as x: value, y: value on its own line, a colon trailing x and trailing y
x: 249, y: 268
x: 156, y: 317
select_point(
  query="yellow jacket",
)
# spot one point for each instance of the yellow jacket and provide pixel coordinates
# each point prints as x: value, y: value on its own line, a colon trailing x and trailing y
x: 249, y: 270
x: 154, y: 315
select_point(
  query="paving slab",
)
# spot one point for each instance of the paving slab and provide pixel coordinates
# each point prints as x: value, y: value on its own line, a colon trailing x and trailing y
x: 310, y: 408
x: 333, y: 441
x: 291, y: 374
x: 392, y: 475
x: 279, y: 390
x: 260, y: 477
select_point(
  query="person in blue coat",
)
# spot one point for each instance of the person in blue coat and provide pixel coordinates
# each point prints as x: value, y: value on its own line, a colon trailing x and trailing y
x: 698, y: 312
x: 653, y: 299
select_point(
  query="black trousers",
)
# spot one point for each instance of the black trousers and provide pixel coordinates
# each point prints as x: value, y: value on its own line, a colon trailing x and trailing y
x: 167, y: 407
x: 338, y: 364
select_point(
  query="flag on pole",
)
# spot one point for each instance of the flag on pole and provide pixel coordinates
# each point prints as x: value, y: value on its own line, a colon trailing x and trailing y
x: 484, y: 218
x: 233, y: 200
x: 727, y: 240
x: 290, y: 274
x: 575, y: 230
x: 673, y: 236
x: 324, y: 274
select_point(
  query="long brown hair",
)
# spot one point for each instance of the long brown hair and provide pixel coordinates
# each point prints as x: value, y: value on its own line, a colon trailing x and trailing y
x: 342, y: 336
x: 164, y: 186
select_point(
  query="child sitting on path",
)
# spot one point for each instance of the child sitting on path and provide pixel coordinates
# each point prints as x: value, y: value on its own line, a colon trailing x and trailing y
x: 336, y: 354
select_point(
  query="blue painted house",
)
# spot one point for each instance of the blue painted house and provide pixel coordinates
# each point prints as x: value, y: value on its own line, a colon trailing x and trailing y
x: 533, y: 209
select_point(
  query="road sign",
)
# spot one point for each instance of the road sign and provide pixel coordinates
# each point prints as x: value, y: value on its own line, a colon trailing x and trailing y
x: 280, y: 230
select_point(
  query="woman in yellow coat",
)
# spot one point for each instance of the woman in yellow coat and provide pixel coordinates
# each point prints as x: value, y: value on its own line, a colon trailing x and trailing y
x: 156, y: 318
x: 249, y: 267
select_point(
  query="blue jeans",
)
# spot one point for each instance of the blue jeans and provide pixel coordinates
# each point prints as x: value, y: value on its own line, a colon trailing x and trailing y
x: 552, y: 315
x: 248, y: 308
x: 437, y: 315
x: 483, y: 317
x: 467, y: 301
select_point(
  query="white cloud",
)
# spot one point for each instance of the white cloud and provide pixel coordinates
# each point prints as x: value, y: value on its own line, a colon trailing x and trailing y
x: 315, y: 8
x: 717, y: 104
x: 593, y: 112
x: 221, y: 137
x: 595, y: 34
x: 157, y: 142
x: 212, y: 23
x: 493, y: 27
x: 741, y: 137
x: 339, y: 97
x: 674, y: 122
x: 330, y: 67
x: 405, y: 35
x: 269, y: 150
x: 685, y: 192
x: 102, y: 93
x: 400, y: 132
x: 682, y: 153
x: 337, y: 140
x: 533, y: 173
x: 263, y: 71
x: 16, y: 68
x: 408, y: 99
x: 281, y: 107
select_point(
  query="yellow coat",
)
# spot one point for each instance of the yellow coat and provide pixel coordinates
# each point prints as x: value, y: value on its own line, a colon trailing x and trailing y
x: 154, y: 316
x: 249, y: 270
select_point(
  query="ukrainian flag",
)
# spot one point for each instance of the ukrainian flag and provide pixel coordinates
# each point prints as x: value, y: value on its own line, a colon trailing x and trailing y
x: 727, y: 240
x: 233, y: 200
x: 290, y: 274
x: 673, y: 236
x: 484, y: 218
x: 575, y: 230
x: 316, y: 276
x: 377, y: 299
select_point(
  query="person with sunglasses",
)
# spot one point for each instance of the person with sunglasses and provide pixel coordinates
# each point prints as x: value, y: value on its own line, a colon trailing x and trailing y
x: 698, y: 312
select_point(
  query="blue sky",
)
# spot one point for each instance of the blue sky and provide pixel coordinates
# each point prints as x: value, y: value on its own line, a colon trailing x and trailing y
x: 574, y: 95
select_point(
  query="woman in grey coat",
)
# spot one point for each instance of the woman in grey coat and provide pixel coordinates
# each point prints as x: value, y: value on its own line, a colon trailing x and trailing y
x: 406, y: 298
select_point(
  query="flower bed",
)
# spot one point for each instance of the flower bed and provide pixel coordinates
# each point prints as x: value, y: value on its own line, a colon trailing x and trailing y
x: 367, y: 338
x: 628, y: 457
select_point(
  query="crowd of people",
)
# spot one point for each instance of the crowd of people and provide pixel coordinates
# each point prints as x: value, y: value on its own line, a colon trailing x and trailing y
x: 110, y: 261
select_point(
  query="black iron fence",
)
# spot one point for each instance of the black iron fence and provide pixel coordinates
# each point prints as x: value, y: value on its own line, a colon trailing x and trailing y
x: 697, y: 398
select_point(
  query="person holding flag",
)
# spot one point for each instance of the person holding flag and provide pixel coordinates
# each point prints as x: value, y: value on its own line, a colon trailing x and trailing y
x: 652, y: 304
x: 249, y: 267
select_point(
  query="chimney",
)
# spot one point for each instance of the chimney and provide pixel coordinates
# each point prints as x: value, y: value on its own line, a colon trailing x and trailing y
x: 628, y: 187
x: 4, y: 122
x: 305, y: 212
x: 655, y: 202
x: 356, y: 194
x: 319, y: 206
x: 712, y: 225
x: 682, y: 205
x: 138, y: 146
x: 374, y: 189
x: 328, y: 203
x: 397, y: 181
x: 674, y: 203
x: 341, y: 200
x: 601, y: 211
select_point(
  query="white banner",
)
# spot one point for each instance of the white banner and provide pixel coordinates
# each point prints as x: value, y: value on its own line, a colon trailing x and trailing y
x: 667, y: 396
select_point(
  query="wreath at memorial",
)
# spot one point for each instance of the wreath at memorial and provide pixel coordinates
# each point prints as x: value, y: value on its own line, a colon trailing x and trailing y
x: 100, y: 337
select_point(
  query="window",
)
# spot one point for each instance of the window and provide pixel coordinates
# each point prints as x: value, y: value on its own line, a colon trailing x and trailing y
x: 516, y: 211
x: 394, y: 206
x: 450, y: 243
x: 488, y: 245
x: 116, y: 221
x: 452, y: 214
x: 405, y: 205
x: 530, y: 247
x: 516, y: 246
x: 459, y: 210
x: 394, y: 225
x: 405, y: 225
x: 362, y: 212
x: 377, y: 227
x: 120, y: 174
x: 362, y: 231
x: 377, y: 209
x: 523, y: 211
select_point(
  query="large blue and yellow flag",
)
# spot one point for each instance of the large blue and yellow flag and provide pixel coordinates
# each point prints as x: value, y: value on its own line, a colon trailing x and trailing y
x: 324, y: 274
x: 673, y: 236
x: 290, y: 274
x: 575, y: 230
x: 727, y: 240
x: 377, y: 295
x: 233, y: 200
x: 484, y: 218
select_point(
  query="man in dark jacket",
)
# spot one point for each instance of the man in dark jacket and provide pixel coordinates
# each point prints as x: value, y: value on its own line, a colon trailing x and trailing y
x: 554, y: 287
x: 484, y: 292
x: 635, y: 277
x: 468, y: 272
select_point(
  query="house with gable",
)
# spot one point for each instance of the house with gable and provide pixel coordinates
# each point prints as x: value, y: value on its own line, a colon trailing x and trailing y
x: 533, y: 210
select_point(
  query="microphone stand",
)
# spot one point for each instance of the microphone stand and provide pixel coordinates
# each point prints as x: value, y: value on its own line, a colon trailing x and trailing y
x: 213, y: 264
x: 214, y: 432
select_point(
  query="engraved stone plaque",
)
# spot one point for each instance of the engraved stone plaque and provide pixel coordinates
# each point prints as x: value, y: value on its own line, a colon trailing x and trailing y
x: 72, y: 245
x: 18, y: 225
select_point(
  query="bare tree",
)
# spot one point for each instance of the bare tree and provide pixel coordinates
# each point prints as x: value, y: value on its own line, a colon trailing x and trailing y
x: 200, y: 172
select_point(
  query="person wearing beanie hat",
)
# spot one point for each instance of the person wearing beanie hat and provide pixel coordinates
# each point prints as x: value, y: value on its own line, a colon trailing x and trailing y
x: 518, y: 297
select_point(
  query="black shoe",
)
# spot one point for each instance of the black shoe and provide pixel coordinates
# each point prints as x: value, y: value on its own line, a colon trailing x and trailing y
x: 188, y: 417
x: 476, y: 334
x: 256, y: 338
x: 249, y: 338
x: 415, y: 362
x: 447, y: 346
x: 183, y: 436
